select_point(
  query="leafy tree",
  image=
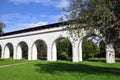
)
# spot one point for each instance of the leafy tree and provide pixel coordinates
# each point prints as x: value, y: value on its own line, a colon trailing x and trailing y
x: 100, y: 15
x: 63, y: 56
x: 2, y: 25
x: 117, y: 48
x: 24, y: 48
x: 90, y: 49
x: 102, y: 49
x: 0, y: 51
x: 41, y: 49
x: 64, y: 50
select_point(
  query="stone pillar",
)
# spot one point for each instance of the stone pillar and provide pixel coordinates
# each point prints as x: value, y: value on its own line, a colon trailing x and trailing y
x: 30, y: 52
x: 19, y: 52
x: 110, y: 53
x: 75, y: 56
x: 54, y: 52
x: 34, y: 52
x: 77, y: 51
x: 7, y: 52
x: 49, y: 52
x: 80, y: 51
x: 2, y: 53
x: 14, y: 51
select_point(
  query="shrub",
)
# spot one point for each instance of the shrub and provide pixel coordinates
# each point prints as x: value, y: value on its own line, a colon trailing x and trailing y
x: 63, y: 56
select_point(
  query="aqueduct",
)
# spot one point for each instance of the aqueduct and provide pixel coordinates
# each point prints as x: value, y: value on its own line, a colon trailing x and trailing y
x: 46, y: 33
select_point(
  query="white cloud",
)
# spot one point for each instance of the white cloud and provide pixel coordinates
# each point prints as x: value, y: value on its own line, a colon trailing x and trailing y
x: 57, y: 3
x: 62, y: 4
x: 54, y: 18
x: 37, y: 24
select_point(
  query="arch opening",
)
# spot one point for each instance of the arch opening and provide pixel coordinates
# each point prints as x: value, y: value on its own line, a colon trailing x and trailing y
x: 0, y: 51
x: 117, y: 49
x: 63, y: 49
x: 8, y: 50
x: 39, y: 50
x: 91, y: 48
x: 22, y: 50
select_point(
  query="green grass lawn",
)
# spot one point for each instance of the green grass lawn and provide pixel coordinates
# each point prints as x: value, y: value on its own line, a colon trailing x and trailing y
x: 11, y: 61
x: 61, y: 70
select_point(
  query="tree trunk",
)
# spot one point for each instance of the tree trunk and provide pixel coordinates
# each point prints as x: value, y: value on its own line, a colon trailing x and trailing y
x: 110, y: 53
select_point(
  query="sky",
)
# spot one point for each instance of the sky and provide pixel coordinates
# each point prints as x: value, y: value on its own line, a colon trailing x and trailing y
x: 21, y: 14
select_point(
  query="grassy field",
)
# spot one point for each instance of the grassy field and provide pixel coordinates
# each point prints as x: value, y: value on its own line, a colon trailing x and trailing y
x: 60, y: 70
x: 11, y: 61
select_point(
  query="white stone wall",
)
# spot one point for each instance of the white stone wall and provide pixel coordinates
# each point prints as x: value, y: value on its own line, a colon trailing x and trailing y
x: 49, y: 36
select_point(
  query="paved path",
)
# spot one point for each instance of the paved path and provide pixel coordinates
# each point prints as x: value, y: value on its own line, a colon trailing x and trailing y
x: 13, y: 64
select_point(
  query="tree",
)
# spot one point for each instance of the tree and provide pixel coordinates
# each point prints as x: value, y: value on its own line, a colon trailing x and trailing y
x: 41, y: 49
x: 2, y: 25
x: 96, y: 16
x: 117, y: 48
x: 0, y: 51
x: 64, y: 49
x: 90, y: 49
x: 102, y: 50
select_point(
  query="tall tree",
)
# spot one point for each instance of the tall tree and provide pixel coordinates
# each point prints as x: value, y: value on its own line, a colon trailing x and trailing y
x: 117, y: 48
x: 100, y: 15
x: 90, y: 49
x: 2, y: 25
x: 64, y: 49
x: 102, y: 49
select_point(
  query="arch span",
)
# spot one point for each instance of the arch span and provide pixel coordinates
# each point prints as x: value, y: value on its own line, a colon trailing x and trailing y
x: 39, y: 50
x: 22, y: 50
x: 62, y: 49
x: 8, y: 50
x: 90, y: 46
x: 0, y: 51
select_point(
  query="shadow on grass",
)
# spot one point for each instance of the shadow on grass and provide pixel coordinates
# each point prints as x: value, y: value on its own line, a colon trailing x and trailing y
x: 97, y: 60
x: 117, y: 60
x: 104, y: 61
x: 79, y: 68
x: 1, y: 59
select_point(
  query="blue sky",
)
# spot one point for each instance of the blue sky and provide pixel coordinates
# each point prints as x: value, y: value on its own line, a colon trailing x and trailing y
x: 20, y: 14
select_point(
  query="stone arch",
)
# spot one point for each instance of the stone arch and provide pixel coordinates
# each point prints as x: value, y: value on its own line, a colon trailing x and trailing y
x: 95, y: 36
x: 8, y: 50
x: 39, y: 50
x: 0, y: 51
x: 22, y: 50
x: 55, y: 47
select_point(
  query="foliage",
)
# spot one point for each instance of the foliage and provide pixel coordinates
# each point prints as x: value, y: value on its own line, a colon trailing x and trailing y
x: 63, y: 56
x: 0, y: 51
x: 64, y: 46
x: 11, y: 50
x: 101, y: 15
x: 102, y: 49
x: 24, y: 48
x: 117, y: 48
x: 2, y: 25
x: 41, y: 49
x: 90, y: 49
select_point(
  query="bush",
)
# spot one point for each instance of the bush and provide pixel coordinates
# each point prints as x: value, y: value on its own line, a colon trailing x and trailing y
x: 90, y: 49
x: 63, y: 56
